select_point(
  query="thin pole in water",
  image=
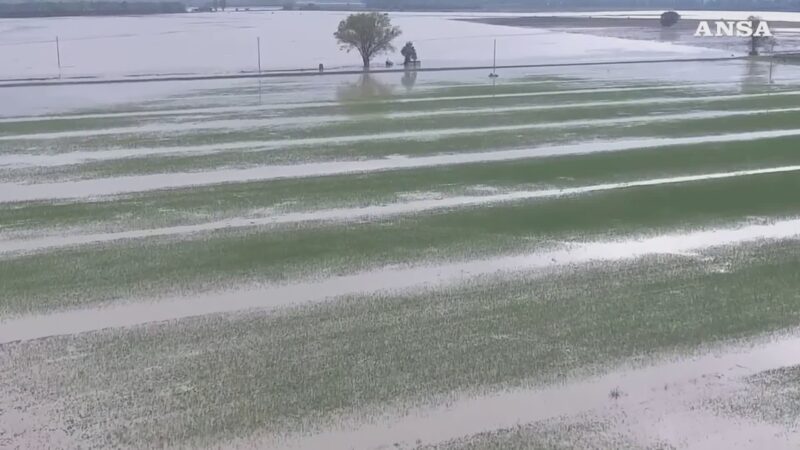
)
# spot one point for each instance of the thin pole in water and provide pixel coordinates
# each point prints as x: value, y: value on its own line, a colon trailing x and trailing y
x: 58, y: 56
x: 771, y: 60
x: 258, y: 44
x: 493, y: 75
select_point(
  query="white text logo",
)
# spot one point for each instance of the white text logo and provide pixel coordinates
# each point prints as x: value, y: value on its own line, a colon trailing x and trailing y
x: 731, y: 28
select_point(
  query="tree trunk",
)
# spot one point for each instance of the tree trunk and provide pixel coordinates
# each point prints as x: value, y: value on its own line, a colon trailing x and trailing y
x: 365, y: 58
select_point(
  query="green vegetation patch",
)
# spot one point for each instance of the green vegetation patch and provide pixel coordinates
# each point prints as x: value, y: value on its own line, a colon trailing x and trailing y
x: 87, y: 274
x: 208, y: 379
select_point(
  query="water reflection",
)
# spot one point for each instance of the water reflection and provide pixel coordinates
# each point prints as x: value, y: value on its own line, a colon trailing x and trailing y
x: 358, y: 97
x: 669, y: 34
x: 757, y: 74
x: 409, y: 79
x: 366, y: 87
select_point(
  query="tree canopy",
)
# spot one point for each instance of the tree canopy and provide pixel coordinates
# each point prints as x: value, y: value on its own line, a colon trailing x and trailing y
x: 369, y: 33
x: 669, y: 18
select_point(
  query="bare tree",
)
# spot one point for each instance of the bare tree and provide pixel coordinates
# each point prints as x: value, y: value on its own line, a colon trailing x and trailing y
x: 369, y: 33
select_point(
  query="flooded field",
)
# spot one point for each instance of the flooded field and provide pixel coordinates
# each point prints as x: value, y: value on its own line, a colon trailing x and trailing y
x: 600, y: 257
x: 226, y: 42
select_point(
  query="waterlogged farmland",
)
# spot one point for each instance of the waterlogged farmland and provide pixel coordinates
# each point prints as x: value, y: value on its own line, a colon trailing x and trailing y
x: 553, y: 260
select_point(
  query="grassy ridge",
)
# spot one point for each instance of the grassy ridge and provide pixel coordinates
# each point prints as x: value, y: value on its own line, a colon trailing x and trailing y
x: 198, y: 204
x: 556, y: 434
x: 332, y: 150
x: 370, y: 123
x: 71, y: 277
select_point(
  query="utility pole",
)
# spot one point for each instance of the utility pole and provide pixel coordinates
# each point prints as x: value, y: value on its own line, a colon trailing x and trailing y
x: 58, y: 56
x: 258, y: 44
x: 494, y: 61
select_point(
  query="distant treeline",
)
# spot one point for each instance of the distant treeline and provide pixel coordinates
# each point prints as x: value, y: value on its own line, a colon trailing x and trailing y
x: 55, y: 9
x: 488, y: 5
